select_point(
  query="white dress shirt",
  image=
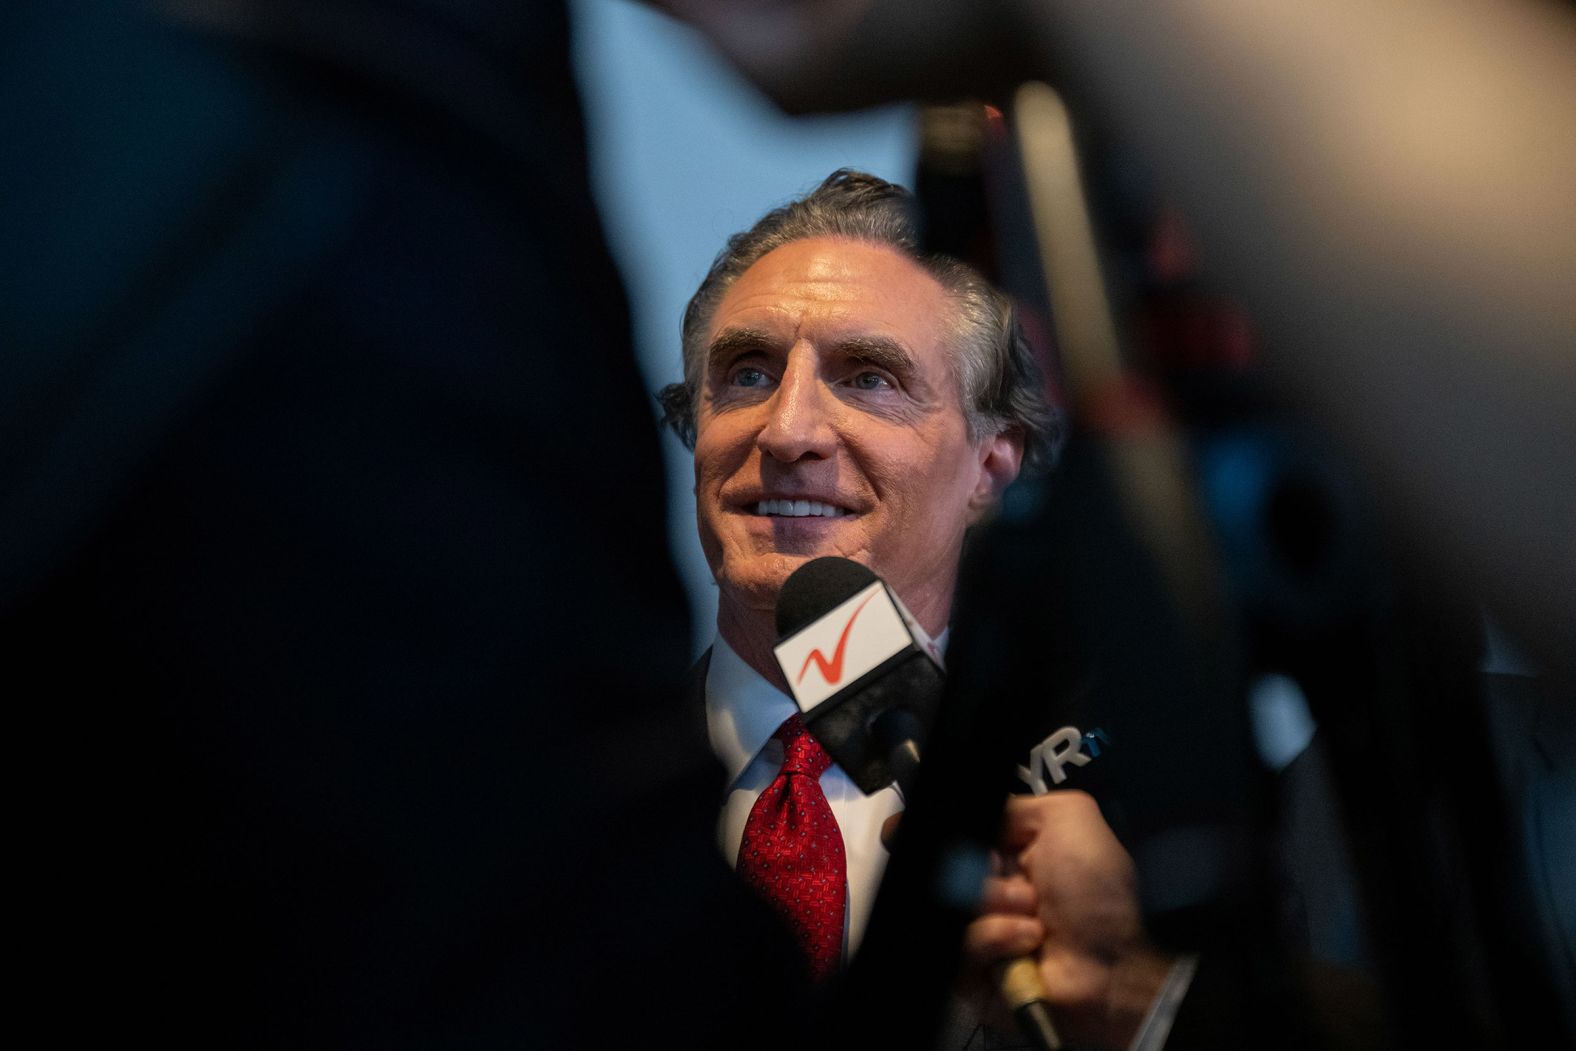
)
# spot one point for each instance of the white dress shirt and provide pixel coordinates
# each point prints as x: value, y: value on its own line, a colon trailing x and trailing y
x: 743, y: 710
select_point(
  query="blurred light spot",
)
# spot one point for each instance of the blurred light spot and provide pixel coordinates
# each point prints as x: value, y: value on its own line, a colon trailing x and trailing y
x: 1282, y: 724
x: 961, y: 877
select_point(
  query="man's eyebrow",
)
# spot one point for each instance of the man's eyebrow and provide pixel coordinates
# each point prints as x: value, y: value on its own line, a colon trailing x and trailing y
x: 883, y: 352
x: 734, y: 343
x: 880, y: 351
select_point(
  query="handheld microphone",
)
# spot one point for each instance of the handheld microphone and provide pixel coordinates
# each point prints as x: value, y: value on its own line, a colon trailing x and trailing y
x: 865, y: 674
x: 867, y: 678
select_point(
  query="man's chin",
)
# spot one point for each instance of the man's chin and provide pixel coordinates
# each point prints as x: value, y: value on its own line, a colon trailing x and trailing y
x: 757, y: 586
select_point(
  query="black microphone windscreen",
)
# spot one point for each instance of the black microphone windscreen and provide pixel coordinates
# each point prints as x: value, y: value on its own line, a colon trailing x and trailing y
x: 816, y: 588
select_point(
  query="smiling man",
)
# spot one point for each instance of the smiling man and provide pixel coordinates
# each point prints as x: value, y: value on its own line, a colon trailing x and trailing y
x: 831, y: 422
x: 844, y: 395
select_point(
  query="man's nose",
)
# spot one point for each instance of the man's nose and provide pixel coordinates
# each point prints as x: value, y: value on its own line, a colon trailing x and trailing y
x: 799, y: 424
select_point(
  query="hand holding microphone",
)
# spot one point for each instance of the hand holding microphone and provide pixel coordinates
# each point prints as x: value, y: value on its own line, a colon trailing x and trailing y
x: 1068, y: 894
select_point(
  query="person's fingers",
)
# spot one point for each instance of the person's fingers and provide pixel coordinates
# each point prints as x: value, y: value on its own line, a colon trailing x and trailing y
x: 889, y: 829
x: 1007, y: 894
x: 1025, y: 817
x: 1001, y: 937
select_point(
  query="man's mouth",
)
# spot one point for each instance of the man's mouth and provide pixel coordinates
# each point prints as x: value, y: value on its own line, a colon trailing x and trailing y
x: 799, y: 509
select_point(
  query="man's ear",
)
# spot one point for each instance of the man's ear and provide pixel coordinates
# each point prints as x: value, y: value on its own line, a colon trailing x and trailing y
x: 1001, y: 455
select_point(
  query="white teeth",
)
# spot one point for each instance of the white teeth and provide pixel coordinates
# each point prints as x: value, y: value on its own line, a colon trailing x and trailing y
x: 798, y: 509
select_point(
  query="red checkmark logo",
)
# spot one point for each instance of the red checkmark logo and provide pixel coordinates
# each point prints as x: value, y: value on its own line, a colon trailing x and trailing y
x: 832, y: 670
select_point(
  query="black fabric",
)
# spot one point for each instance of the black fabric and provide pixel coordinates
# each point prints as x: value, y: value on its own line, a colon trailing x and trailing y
x: 339, y: 633
x: 1531, y: 754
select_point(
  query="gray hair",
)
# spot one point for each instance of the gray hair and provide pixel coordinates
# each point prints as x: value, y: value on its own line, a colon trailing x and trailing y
x: 998, y: 379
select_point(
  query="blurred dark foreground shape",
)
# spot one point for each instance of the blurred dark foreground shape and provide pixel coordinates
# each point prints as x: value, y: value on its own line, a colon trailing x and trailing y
x: 337, y: 627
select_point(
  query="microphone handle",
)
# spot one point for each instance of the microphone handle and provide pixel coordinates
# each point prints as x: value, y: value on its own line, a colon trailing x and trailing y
x: 898, y: 732
x: 1018, y: 981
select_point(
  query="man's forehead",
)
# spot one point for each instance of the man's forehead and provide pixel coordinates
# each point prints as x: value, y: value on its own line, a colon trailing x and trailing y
x: 847, y: 291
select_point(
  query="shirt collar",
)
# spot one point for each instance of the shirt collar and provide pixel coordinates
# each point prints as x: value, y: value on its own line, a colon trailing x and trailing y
x: 743, y: 710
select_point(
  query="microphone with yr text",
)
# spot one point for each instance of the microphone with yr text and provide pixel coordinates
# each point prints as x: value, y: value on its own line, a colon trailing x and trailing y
x: 867, y: 679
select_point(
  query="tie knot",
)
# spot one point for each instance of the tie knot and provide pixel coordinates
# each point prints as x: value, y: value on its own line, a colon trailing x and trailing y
x: 802, y: 753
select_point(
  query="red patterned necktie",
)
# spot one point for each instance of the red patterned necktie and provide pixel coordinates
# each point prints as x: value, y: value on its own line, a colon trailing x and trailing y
x: 792, y: 852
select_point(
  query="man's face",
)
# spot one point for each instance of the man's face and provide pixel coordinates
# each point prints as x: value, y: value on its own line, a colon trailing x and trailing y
x: 830, y: 423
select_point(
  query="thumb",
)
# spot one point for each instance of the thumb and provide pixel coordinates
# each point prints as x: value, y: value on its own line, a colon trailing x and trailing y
x: 889, y: 829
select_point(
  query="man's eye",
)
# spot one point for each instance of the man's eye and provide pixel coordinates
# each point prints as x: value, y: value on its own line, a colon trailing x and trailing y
x: 748, y: 376
x: 871, y: 381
